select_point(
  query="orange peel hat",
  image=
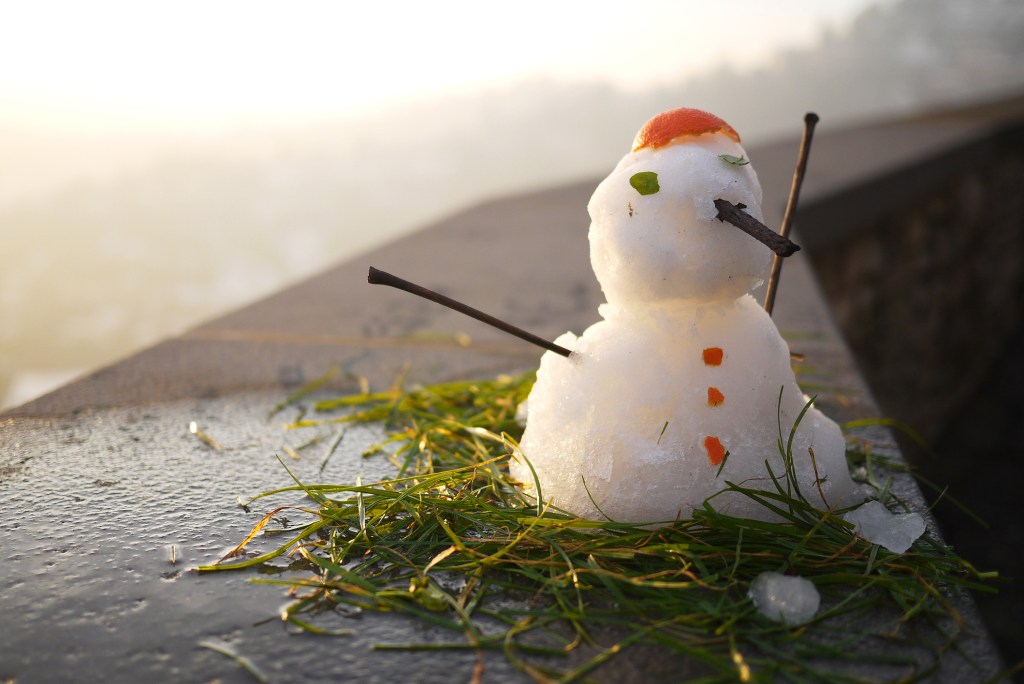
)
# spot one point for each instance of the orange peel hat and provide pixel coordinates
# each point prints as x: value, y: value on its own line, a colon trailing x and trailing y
x: 679, y: 125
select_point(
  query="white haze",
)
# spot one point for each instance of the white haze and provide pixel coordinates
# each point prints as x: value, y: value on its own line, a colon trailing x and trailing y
x: 127, y: 220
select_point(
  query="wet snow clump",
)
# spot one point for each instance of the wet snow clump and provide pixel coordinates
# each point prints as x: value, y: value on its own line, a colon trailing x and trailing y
x: 875, y: 523
x: 784, y: 598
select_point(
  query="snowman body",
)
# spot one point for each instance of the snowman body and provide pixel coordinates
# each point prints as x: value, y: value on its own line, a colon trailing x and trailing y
x: 686, y: 383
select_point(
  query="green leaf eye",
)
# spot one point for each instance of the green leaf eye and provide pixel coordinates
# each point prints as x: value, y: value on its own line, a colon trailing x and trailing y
x: 645, y: 182
x: 735, y: 161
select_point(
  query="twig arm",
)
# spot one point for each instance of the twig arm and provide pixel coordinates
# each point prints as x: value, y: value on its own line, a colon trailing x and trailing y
x: 377, y: 277
x: 810, y: 121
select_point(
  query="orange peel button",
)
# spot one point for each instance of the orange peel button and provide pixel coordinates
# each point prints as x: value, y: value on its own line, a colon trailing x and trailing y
x: 715, y: 397
x: 713, y: 356
x: 716, y: 452
x: 679, y: 125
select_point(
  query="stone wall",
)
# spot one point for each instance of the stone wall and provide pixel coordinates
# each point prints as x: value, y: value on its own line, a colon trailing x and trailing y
x: 929, y: 293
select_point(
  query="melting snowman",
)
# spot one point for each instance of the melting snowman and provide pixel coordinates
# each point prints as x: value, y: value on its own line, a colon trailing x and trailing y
x: 686, y: 383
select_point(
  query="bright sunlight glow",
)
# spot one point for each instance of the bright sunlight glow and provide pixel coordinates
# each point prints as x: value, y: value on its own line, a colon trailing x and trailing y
x: 116, y: 64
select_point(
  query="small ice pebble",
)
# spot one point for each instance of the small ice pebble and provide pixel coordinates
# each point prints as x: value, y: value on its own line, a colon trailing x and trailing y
x: 875, y: 523
x: 784, y: 598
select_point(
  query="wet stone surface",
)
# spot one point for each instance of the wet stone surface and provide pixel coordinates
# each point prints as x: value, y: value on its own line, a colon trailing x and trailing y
x: 98, y: 504
x: 93, y: 506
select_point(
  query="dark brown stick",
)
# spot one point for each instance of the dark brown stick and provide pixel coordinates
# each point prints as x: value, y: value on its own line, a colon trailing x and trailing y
x: 734, y: 214
x: 376, y: 277
x: 810, y: 121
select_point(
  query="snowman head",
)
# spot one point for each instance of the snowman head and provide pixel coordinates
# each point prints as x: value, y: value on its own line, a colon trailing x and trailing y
x: 654, y: 235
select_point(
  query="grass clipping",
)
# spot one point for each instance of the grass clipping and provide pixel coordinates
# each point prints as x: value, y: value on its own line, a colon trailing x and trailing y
x: 450, y: 540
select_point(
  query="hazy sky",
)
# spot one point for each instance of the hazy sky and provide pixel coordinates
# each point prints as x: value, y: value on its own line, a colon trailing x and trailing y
x: 129, y: 65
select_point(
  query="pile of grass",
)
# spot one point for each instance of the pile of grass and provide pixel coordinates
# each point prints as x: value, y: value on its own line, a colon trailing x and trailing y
x: 451, y: 537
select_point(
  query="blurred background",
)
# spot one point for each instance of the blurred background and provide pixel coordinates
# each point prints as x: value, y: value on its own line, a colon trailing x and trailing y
x: 163, y: 163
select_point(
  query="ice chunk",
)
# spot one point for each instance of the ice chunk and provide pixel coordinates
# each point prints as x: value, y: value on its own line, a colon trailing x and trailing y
x: 783, y: 598
x: 875, y: 523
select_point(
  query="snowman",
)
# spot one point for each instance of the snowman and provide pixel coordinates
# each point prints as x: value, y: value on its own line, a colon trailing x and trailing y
x: 686, y: 383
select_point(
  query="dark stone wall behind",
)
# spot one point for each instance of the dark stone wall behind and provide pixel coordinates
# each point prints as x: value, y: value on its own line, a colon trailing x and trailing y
x: 930, y: 298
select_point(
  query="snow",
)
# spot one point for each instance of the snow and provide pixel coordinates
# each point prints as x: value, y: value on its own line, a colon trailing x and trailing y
x: 784, y: 598
x: 875, y: 523
x: 672, y: 245
x: 626, y: 427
